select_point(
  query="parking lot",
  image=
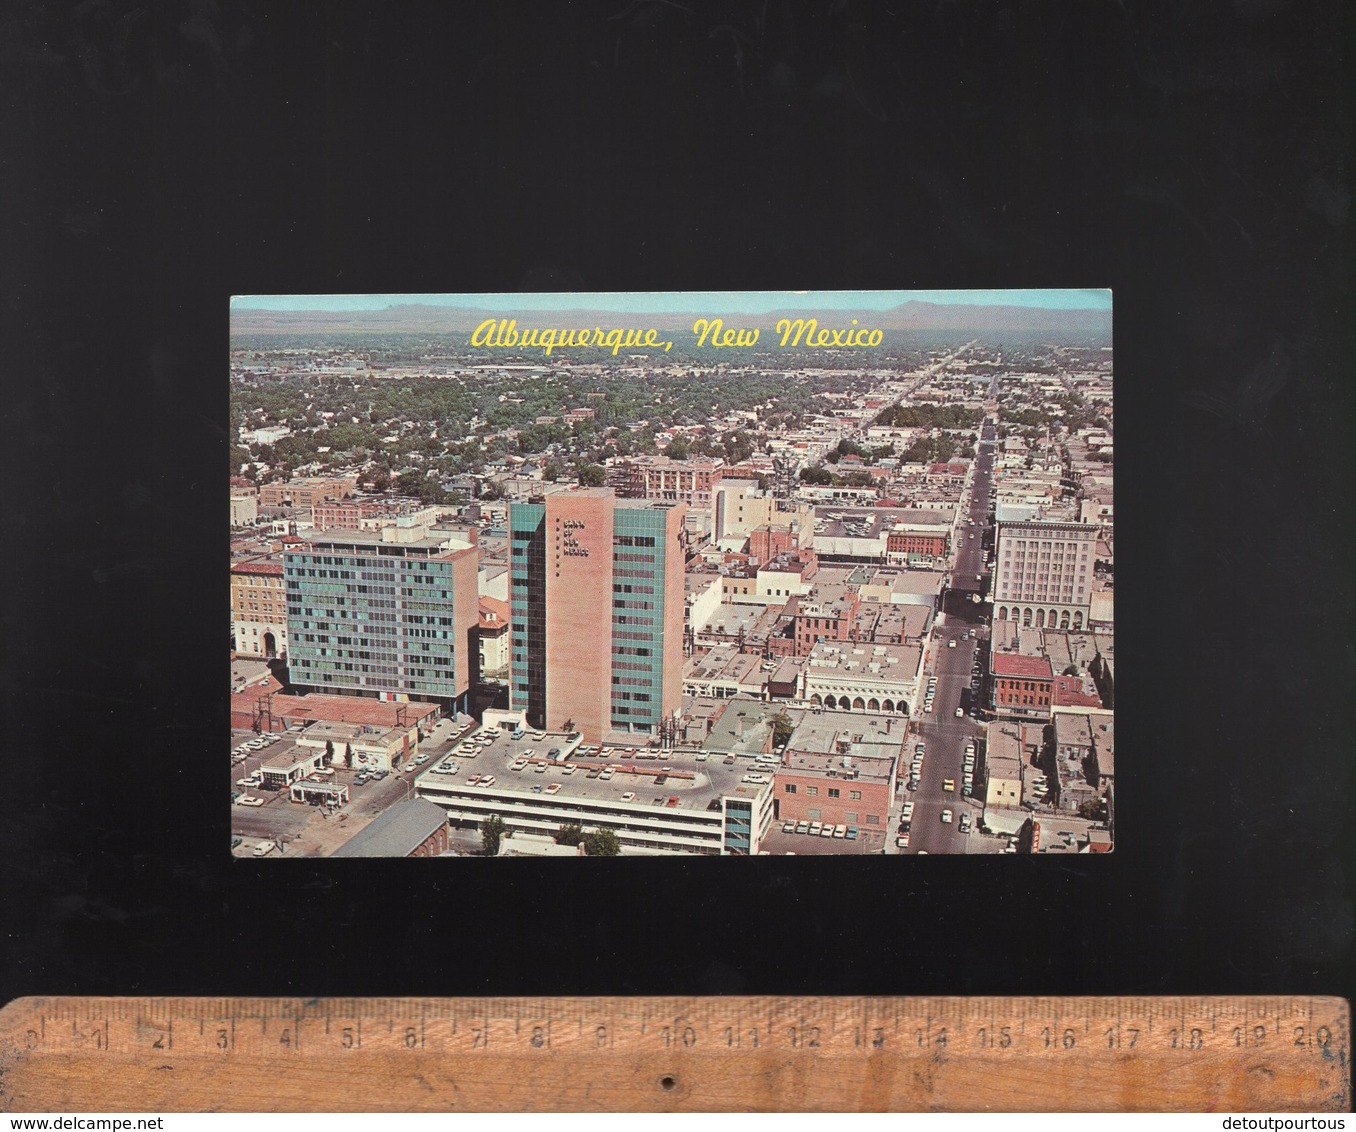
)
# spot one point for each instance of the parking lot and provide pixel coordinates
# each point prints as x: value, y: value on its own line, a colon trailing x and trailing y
x: 310, y: 829
x: 778, y: 843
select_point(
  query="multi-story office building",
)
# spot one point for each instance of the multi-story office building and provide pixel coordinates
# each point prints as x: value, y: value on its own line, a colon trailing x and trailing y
x: 307, y: 492
x: 384, y: 614
x: 596, y: 598
x: 912, y: 540
x: 673, y: 481
x: 1042, y: 573
x: 259, y: 609
x: 370, y: 514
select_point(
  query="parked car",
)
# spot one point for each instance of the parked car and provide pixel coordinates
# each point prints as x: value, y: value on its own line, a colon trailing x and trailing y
x: 946, y: 817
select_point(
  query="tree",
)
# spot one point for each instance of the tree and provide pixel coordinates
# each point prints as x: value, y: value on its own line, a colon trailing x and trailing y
x: 1070, y: 670
x: 816, y: 476
x: 239, y: 457
x: 679, y: 448
x: 491, y: 833
x: 550, y: 472
x: 348, y: 756
x: 572, y: 833
x: 1091, y: 810
x: 491, y: 491
x: 602, y: 843
x: 782, y: 727
x: 592, y: 475
x: 329, y: 751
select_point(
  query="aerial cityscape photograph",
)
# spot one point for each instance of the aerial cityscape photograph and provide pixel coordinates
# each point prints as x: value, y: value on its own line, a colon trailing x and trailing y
x: 668, y: 574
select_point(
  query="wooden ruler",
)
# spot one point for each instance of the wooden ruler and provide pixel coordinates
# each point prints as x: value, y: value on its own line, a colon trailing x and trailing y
x: 686, y: 1054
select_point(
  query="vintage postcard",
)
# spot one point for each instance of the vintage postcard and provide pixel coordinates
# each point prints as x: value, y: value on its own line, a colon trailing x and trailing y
x: 753, y: 573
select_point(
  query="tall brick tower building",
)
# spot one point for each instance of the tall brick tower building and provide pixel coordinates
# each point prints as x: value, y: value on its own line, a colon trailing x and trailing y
x: 596, y: 602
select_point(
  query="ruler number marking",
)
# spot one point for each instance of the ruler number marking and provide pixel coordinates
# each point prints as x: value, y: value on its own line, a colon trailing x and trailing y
x: 1115, y: 1038
x: 734, y: 1040
x: 1000, y: 1040
x: 1067, y: 1040
x: 1191, y: 1039
x: 1321, y: 1037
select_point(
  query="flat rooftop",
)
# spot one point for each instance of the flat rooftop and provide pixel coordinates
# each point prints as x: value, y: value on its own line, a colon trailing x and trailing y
x: 888, y: 662
x: 851, y: 768
x: 724, y: 662
x: 729, y: 619
x: 340, y: 732
x: 872, y: 522
x: 745, y: 725
x: 289, y: 757
x: 693, y: 780
x: 447, y: 541
x: 854, y: 733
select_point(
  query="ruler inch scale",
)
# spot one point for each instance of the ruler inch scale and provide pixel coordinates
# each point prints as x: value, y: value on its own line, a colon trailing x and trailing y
x: 726, y: 1054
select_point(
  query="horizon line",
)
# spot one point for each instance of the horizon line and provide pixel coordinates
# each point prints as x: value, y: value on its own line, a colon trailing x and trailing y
x: 1098, y: 300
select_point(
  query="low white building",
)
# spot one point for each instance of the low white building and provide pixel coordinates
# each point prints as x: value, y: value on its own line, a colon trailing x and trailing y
x: 725, y: 672
x: 244, y: 508
x: 848, y: 676
x: 360, y: 746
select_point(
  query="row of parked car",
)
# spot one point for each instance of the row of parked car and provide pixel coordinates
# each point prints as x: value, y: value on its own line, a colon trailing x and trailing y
x: 240, y: 753
x: 821, y: 829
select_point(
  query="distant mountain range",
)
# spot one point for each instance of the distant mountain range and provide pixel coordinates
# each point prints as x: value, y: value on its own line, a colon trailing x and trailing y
x: 422, y: 318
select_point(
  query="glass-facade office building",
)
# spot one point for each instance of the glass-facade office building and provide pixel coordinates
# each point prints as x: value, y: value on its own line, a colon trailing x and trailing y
x: 373, y: 618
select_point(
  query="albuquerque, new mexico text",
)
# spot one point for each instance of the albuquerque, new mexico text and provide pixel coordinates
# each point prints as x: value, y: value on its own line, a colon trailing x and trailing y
x: 504, y: 334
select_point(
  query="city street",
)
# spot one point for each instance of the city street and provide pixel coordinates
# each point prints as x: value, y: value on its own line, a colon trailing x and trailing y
x: 941, y: 731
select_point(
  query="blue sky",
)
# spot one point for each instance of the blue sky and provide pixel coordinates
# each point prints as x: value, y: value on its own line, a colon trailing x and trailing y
x: 751, y: 302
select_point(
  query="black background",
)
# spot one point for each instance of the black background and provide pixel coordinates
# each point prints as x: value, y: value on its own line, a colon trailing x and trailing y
x: 1195, y: 157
